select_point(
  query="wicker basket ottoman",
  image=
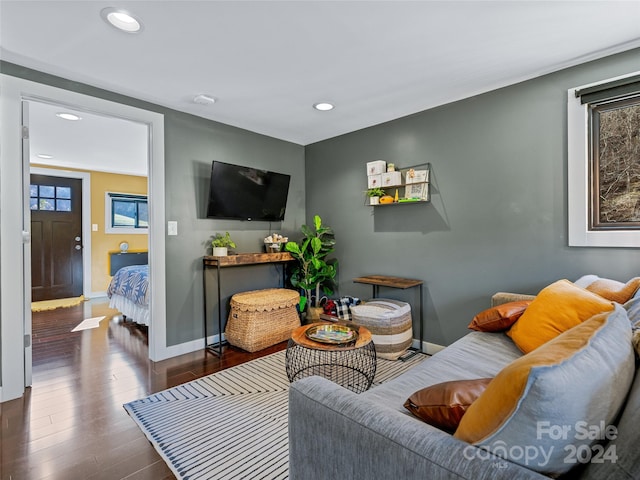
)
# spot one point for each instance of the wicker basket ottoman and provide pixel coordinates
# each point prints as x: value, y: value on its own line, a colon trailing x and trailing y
x: 389, y: 322
x: 261, y: 318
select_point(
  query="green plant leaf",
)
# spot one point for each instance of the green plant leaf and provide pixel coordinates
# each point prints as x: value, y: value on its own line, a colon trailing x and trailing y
x: 317, y: 222
x: 306, y: 231
x: 292, y: 247
x: 316, y: 245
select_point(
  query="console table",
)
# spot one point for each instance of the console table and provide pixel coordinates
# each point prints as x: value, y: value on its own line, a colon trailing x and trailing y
x: 239, y: 260
x: 378, y: 281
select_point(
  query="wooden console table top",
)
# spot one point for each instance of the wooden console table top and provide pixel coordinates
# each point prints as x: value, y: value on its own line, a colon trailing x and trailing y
x: 247, y: 259
x: 386, y: 281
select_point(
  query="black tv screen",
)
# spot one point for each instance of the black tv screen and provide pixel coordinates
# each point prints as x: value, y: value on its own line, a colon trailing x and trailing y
x: 246, y: 193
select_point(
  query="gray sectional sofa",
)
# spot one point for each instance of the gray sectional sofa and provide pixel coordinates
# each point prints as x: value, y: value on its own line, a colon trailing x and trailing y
x: 336, y: 434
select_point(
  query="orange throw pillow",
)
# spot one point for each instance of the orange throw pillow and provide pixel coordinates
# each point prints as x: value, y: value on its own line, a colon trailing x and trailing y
x: 443, y: 405
x: 614, y: 290
x: 557, y: 308
x: 500, y: 317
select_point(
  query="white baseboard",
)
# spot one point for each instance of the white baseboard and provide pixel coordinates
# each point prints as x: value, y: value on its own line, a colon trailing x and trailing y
x: 188, y: 347
x: 98, y: 294
x: 427, y: 347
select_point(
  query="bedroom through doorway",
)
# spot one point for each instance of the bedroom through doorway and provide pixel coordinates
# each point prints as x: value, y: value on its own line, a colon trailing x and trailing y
x: 76, y: 158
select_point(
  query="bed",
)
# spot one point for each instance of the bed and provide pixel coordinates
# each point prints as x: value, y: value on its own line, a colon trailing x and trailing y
x: 129, y: 293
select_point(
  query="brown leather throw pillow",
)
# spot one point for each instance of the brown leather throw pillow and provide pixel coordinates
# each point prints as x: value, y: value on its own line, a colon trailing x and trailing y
x: 500, y: 317
x: 443, y: 405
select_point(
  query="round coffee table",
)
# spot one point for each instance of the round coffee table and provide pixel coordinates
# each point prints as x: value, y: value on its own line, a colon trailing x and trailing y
x: 352, y: 366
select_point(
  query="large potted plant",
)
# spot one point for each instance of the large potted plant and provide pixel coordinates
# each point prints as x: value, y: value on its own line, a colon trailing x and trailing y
x: 221, y: 244
x: 313, y: 272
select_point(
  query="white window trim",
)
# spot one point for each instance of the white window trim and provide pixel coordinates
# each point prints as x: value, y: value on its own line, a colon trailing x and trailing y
x: 578, y: 180
x: 107, y: 217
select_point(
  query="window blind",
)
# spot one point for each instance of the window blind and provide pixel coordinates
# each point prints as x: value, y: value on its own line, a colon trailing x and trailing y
x: 611, y: 90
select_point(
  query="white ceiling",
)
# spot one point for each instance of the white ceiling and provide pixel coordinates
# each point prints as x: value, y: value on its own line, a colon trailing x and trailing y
x: 268, y: 62
x: 95, y: 142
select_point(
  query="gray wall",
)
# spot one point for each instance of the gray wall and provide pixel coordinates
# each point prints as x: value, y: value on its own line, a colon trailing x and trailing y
x: 497, y: 220
x: 498, y: 216
x: 191, y: 143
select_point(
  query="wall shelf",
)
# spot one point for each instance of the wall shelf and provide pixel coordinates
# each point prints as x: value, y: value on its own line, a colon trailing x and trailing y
x: 408, y: 192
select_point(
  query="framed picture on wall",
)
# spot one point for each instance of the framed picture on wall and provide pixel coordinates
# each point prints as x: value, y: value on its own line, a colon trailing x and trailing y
x: 417, y: 185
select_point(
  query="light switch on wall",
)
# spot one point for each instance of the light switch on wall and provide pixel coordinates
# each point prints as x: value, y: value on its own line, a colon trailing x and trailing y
x: 172, y: 227
x: 94, y: 227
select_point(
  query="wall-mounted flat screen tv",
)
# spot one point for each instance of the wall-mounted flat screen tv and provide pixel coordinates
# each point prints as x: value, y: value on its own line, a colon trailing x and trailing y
x: 245, y: 193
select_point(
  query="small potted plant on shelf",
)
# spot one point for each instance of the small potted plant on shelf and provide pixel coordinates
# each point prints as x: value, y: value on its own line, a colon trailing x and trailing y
x: 221, y: 244
x: 374, y: 195
x: 313, y: 271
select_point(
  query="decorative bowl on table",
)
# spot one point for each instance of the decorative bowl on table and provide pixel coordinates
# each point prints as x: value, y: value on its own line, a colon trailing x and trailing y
x: 273, y: 247
x: 332, y: 334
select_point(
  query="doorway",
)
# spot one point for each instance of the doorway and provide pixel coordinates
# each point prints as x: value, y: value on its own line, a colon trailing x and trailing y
x: 87, y: 154
x: 15, y: 235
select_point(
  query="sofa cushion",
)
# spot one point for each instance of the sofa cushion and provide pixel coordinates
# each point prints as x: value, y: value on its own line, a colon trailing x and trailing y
x: 557, y: 308
x: 500, y: 317
x: 621, y: 456
x: 443, y: 405
x: 476, y: 355
x: 610, y: 289
x: 633, y: 311
x: 579, y: 379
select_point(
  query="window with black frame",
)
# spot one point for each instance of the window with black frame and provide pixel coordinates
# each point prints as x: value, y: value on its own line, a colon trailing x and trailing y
x: 127, y: 212
x: 614, y: 154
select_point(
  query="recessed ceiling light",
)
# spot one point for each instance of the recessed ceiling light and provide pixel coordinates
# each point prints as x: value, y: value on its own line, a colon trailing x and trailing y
x: 323, y: 106
x: 44, y: 155
x: 204, y: 99
x: 121, y: 19
x: 68, y: 116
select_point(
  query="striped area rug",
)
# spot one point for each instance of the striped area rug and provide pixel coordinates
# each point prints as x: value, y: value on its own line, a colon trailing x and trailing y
x: 231, y: 424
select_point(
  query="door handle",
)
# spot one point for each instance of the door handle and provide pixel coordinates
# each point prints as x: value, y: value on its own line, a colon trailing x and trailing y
x: 77, y: 239
x: 78, y: 247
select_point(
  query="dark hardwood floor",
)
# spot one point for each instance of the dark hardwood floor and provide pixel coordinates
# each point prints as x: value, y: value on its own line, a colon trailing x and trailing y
x: 71, y: 424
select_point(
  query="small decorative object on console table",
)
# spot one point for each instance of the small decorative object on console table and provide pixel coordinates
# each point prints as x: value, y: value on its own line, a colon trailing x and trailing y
x: 352, y: 365
x: 273, y: 243
x: 221, y: 243
x: 378, y: 281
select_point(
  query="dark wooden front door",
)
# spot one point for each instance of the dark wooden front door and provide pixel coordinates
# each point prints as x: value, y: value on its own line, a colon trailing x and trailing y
x: 56, y: 237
